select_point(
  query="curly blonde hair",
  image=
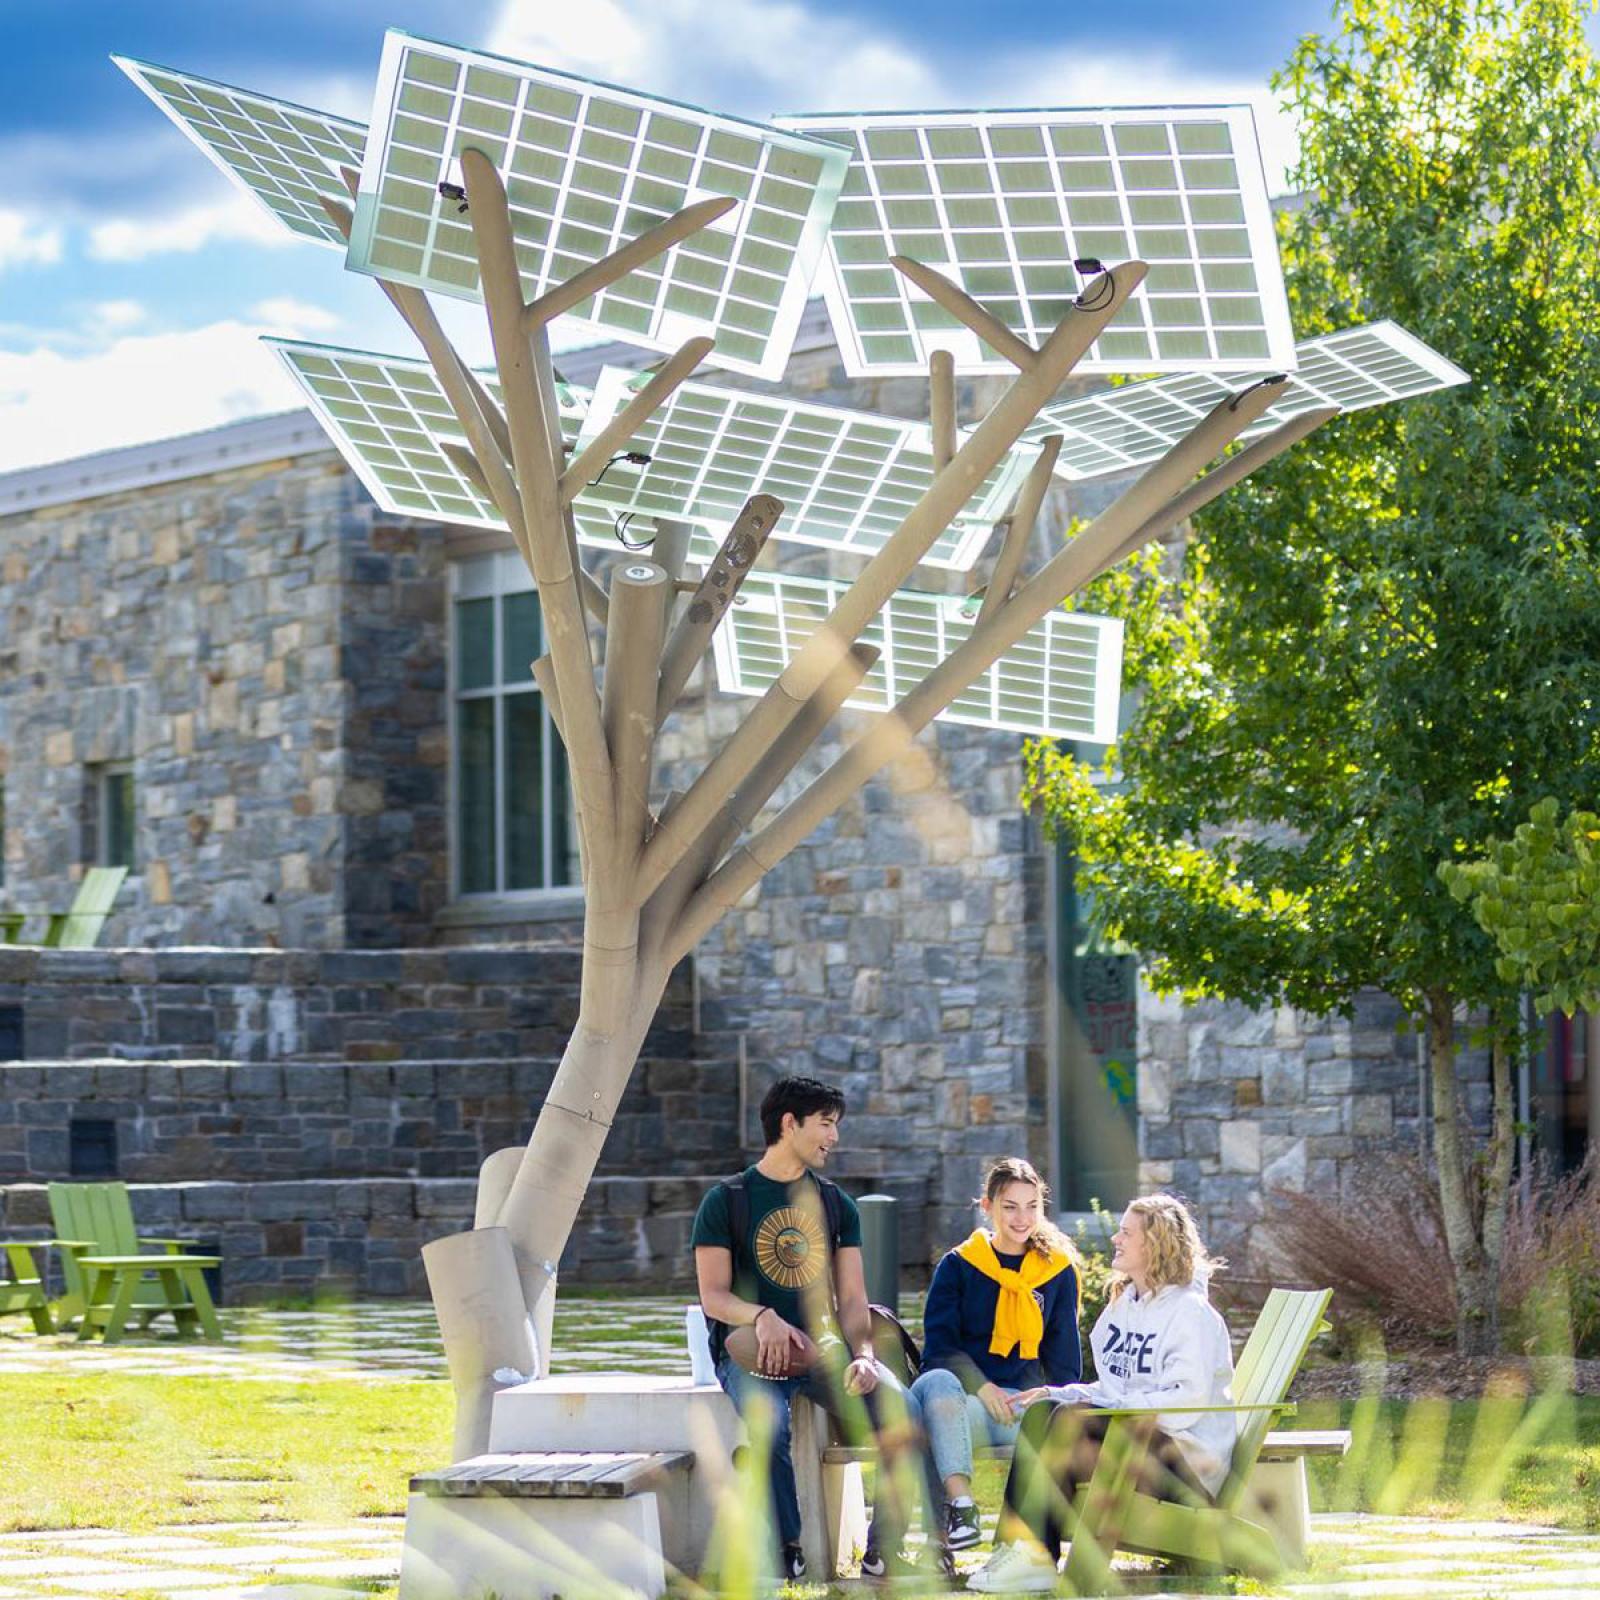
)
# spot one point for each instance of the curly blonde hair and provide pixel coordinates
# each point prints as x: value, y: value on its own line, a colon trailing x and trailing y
x: 1046, y: 1239
x: 1173, y: 1249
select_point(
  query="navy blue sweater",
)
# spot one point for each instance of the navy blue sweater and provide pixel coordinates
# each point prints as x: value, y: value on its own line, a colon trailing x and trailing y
x: 958, y: 1322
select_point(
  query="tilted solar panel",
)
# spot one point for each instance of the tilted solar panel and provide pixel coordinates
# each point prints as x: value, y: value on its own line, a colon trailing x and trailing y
x: 1063, y: 678
x: 389, y: 419
x: 1121, y: 429
x: 588, y: 167
x: 1004, y: 203
x: 847, y: 478
x: 286, y: 156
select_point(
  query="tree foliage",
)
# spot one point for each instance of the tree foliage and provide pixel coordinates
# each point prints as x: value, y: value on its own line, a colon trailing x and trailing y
x: 1385, y: 646
x: 1537, y: 895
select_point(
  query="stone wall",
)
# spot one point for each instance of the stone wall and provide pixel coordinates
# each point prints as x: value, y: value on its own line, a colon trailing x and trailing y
x: 1235, y: 1105
x: 265, y: 650
x: 365, y: 1236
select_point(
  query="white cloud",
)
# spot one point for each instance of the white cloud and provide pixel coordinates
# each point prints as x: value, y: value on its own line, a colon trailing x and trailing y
x: 114, y: 316
x: 24, y: 243
x: 284, y: 314
x: 237, y: 217
x: 54, y: 406
x: 757, y: 57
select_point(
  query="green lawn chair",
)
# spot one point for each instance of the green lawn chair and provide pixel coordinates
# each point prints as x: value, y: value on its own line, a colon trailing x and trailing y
x: 25, y: 1291
x: 112, y: 1274
x: 79, y: 928
x: 1109, y: 1513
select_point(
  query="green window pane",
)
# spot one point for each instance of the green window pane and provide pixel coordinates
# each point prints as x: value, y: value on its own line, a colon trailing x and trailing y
x: 521, y: 644
x: 118, y: 847
x: 1204, y: 138
x: 474, y: 644
x: 475, y: 795
x: 523, y: 790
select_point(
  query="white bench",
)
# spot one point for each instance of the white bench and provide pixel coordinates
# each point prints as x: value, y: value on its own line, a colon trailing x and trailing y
x: 544, y: 1523
x: 1277, y: 1484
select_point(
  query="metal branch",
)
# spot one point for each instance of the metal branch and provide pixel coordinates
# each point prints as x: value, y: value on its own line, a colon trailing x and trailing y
x: 1019, y: 527
x: 602, y: 449
x: 528, y: 387
x: 700, y: 617
x: 942, y: 406
x: 1145, y: 508
x: 628, y: 702
x: 862, y: 601
x: 964, y: 308
x: 620, y: 263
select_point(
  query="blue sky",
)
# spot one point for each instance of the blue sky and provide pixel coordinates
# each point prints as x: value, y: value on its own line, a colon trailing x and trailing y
x: 135, y: 280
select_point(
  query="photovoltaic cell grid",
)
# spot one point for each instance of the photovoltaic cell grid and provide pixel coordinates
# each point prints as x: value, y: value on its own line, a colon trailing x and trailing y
x: 588, y: 167
x: 846, y: 478
x: 1062, y: 678
x: 388, y: 416
x: 1004, y: 202
x: 285, y: 155
x: 1130, y: 427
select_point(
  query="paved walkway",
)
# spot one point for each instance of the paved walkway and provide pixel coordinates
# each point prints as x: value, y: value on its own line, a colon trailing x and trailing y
x: 1378, y: 1558
x: 377, y: 1341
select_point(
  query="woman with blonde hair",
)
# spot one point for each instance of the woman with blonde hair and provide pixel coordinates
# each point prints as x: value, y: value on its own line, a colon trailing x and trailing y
x: 1158, y: 1343
x: 1001, y: 1317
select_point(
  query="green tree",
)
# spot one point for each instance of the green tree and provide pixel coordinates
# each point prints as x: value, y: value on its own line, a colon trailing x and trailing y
x: 1379, y: 652
x: 1537, y: 895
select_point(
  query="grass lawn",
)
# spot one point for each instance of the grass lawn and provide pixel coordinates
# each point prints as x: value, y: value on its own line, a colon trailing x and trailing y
x: 135, y: 1452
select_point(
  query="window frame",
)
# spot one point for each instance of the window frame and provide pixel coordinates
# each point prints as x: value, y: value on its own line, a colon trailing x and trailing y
x: 497, y: 576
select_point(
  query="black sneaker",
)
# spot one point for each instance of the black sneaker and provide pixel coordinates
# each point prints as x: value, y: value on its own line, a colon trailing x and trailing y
x: 792, y: 1563
x: 934, y: 1566
x: 961, y: 1530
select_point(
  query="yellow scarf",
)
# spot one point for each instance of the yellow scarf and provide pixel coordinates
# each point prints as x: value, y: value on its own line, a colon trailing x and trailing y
x: 1018, y: 1317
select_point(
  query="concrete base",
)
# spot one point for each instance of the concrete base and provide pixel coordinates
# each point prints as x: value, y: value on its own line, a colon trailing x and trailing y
x: 1278, y: 1498
x: 475, y: 1548
x: 624, y: 1411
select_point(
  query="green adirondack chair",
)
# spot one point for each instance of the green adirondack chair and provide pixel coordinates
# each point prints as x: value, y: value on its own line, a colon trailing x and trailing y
x: 112, y: 1274
x: 25, y: 1290
x: 1109, y: 1513
x: 78, y: 928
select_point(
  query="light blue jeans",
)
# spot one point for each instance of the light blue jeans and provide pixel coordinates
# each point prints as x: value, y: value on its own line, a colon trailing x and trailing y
x: 953, y: 1421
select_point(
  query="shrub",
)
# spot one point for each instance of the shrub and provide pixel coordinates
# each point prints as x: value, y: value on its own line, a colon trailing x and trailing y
x: 1381, y: 1248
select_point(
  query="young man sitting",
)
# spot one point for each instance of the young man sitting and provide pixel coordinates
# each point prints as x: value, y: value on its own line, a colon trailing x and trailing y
x: 778, y: 1257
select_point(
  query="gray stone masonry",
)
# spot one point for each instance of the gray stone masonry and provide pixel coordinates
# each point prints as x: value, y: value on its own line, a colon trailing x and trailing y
x: 1235, y: 1105
x: 365, y: 1236
x: 265, y: 650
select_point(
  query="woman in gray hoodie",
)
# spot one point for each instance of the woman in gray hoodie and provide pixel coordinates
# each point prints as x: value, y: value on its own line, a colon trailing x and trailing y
x: 1158, y: 1343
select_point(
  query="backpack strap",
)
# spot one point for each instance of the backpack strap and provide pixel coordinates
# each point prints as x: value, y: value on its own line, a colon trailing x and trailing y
x: 738, y: 1200
x: 832, y: 1210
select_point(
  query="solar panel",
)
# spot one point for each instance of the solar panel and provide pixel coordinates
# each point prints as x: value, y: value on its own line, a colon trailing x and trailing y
x: 390, y: 420
x: 1128, y: 427
x: 588, y: 167
x: 847, y: 478
x: 1004, y: 203
x: 285, y: 155
x: 1062, y: 678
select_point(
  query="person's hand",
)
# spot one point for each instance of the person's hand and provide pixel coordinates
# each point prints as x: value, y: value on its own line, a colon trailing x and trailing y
x: 1024, y: 1398
x: 780, y: 1346
x: 997, y: 1403
x: 861, y: 1376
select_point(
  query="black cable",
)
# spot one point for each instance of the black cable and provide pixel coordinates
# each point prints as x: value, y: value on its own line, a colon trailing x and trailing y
x: 1271, y: 377
x: 637, y: 457
x: 623, y: 519
x: 1098, y: 292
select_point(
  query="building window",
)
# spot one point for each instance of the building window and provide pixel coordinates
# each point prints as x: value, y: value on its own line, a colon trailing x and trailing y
x: 513, y: 823
x: 111, y: 817
x: 2, y: 833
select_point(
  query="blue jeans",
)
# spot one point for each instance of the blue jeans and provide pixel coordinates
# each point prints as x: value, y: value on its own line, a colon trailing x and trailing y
x: 765, y: 1402
x: 953, y: 1421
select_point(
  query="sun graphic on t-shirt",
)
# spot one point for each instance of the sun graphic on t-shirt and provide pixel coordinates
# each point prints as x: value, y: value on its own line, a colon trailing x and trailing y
x: 790, y: 1248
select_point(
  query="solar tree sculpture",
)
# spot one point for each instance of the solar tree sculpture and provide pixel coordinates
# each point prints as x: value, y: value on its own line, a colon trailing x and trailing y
x: 699, y: 235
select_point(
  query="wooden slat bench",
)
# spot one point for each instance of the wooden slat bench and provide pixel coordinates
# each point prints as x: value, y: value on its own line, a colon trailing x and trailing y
x: 542, y: 1523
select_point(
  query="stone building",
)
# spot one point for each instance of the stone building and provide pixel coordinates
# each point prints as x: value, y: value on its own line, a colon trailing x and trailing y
x: 342, y: 967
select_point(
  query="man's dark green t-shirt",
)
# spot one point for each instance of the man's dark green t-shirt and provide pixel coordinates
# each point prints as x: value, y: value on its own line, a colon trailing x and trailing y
x: 783, y: 1262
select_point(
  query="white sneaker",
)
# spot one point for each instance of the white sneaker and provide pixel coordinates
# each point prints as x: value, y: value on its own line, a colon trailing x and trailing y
x: 1015, y: 1569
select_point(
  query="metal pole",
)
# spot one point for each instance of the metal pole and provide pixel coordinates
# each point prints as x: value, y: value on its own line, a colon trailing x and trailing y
x: 880, y: 1248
